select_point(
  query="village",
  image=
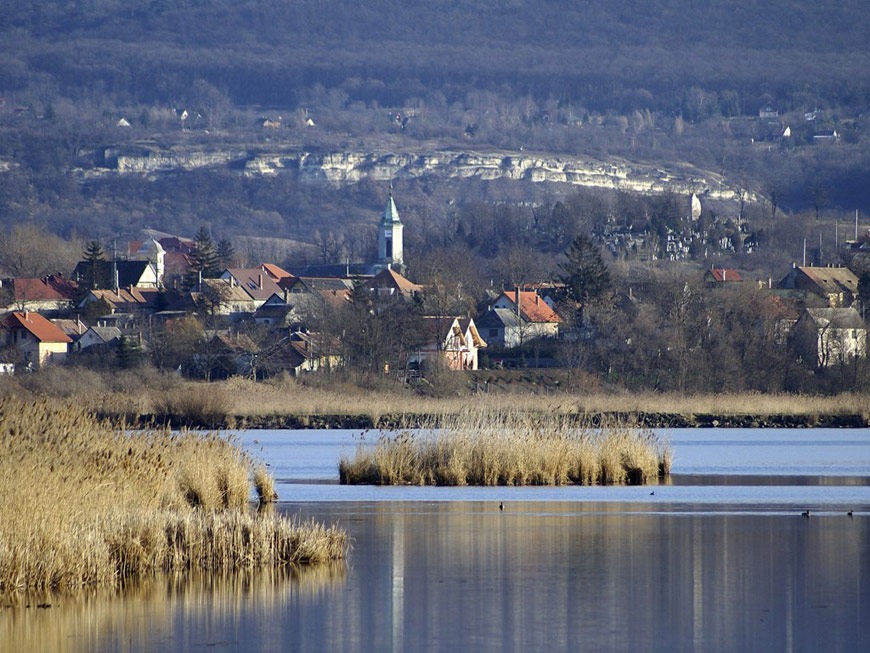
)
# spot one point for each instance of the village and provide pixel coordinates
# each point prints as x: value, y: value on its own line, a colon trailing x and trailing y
x: 169, y: 300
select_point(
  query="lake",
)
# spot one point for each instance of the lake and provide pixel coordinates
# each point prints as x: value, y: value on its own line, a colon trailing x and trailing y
x: 719, y: 558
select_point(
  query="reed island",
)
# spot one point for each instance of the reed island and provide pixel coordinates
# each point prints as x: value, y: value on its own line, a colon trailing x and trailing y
x: 511, y: 448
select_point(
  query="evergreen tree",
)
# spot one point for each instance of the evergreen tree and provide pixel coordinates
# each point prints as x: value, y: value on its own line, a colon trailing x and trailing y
x: 203, y: 258
x: 225, y: 253
x: 96, y: 268
x: 129, y: 352
x: 583, y: 271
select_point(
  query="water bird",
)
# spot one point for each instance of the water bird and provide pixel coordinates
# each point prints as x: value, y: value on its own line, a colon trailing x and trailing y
x: 500, y: 505
x: 806, y: 513
x: 652, y: 493
x: 850, y: 514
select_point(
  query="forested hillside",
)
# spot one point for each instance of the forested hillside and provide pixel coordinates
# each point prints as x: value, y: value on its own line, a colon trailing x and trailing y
x: 659, y: 82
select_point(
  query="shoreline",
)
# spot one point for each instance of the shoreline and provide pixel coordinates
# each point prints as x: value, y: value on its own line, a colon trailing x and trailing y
x: 392, y: 421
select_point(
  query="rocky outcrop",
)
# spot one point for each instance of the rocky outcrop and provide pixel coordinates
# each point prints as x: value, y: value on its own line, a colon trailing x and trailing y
x: 350, y: 167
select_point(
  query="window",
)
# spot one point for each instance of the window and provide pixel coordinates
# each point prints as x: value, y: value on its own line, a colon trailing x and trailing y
x: 389, y: 247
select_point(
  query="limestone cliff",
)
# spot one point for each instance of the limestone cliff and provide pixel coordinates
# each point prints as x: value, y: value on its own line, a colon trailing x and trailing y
x: 350, y: 167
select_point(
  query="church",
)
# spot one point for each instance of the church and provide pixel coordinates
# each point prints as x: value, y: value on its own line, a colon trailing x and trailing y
x: 390, y: 252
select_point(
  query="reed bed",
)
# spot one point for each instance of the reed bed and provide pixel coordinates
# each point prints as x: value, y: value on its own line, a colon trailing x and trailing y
x: 83, y: 503
x: 510, y: 448
x: 222, y: 402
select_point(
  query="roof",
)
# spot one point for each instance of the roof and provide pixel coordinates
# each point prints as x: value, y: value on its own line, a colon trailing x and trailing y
x: 391, y: 213
x: 141, y: 297
x: 275, y: 272
x: 254, y: 281
x: 722, y: 275
x: 389, y: 278
x: 336, y: 270
x: 832, y: 280
x: 468, y: 326
x: 73, y: 328
x: 51, y: 288
x: 106, y: 333
x: 40, y: 327
x: 836, y: 318
x: 441, y: 328
x: 498, y: 318
x: 129, y: 272
x: 316, y: 284
x: 532, y: 307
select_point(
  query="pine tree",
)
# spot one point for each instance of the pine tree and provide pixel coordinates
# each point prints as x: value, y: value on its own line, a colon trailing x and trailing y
x: 129, y: 352
x: 225, y: 253
x: 203, y: 258
x: 584, y: 272
x: 96, y: 269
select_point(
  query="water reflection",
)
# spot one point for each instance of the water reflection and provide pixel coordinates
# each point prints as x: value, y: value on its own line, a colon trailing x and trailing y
x: 166, y: 612
x: 556, y: 575
x: 539, y: 575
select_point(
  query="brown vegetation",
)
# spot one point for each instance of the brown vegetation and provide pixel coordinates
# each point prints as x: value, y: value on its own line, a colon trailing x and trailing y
x: 241, y: 401
x: 82, y: 504
x: 510, y: 448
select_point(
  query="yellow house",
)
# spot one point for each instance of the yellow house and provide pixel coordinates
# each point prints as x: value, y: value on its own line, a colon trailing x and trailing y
x: 39, y: 341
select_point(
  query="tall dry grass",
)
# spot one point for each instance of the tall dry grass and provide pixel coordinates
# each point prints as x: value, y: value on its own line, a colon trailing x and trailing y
x: 221, y: 402
x: 82, y: 503
x: 510, y: 448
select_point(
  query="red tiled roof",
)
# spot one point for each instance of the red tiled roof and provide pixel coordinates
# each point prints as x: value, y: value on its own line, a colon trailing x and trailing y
x: 390, y: 278
x: 276, y: 272
x: 41, y: 328
x: 52, y: 288
x: 533, y: 307
x: 257, y: 283
x: 721, y: 275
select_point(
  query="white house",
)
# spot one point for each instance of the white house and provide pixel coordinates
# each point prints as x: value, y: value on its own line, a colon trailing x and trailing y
x: 829, y: 336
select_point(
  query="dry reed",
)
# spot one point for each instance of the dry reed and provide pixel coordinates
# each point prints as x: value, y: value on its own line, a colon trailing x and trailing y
x: 510, y: 448
x: 82, y: 503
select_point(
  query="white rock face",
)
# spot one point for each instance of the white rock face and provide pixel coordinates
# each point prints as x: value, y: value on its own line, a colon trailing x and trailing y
x: 350, y: 167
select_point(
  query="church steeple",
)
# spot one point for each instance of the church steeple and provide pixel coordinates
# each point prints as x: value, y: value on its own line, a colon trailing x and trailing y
x: 390, y: 251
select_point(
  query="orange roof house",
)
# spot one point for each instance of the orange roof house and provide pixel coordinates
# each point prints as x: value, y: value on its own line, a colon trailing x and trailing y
x: 39, y: 341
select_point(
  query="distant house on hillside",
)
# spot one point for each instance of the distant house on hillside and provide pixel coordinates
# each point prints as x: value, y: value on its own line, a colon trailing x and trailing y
x: 830, y: 336
x: 51, y: 293
x: 837, y: 286
x: 716, y: 276
x: 453, y: 340
x: 39, y: 341
x: 503, y: 325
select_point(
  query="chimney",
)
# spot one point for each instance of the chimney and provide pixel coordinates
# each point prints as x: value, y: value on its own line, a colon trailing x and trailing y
x: 260, y: 281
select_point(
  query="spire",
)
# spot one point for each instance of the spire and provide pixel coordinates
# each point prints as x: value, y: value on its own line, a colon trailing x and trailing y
x: 391, y: 213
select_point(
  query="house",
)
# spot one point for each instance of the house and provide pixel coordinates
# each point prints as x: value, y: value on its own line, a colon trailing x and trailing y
x: 455, y: 340
x: 506, y: 325
x: 473, y: 342
x: 826, y: 137
x: 51, y: 293
x: 99, y: 336
x: 73, y: 328
x: 39, y: 341
x: 768, y: 112
x: 259, y: 283
x: 716, y: 276
x: 830, y: 336
x: 838, y: 287
x: 131, y: 300
x: 226, y: 297
x: 136, y: 274
x: 390, y: 284
x: 310, y: 352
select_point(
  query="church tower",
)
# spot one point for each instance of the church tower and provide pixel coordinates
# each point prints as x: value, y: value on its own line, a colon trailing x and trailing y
x: 390, y: 237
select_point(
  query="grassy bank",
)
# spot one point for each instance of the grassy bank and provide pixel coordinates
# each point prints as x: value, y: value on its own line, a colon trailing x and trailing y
x: 85, y: 504
x: 288, y: 403
x: 510, y: 448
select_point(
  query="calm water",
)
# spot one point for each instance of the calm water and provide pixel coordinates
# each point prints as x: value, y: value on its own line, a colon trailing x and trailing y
x: 699, y: 565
